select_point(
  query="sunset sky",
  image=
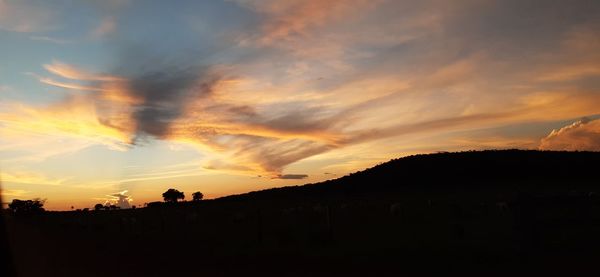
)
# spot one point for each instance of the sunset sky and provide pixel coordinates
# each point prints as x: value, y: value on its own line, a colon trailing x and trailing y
x: 230, y: 96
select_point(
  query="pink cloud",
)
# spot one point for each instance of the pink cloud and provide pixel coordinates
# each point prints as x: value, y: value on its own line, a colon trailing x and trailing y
x: 581, y: 135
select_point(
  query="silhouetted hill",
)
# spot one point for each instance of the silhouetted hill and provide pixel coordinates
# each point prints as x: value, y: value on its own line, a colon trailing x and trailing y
x: 475, y: 213
x: 525, y: 171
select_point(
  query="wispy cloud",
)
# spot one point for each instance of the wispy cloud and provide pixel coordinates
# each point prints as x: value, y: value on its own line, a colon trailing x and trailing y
x: 24, y: 17
x: 65, y: 85
x: 106, y: 26
x: 75, y: 73
x: 293, y: 18
x: 576, y: 58
x: 50, y: 39
x: 13, y: 192
x: 30, y: 178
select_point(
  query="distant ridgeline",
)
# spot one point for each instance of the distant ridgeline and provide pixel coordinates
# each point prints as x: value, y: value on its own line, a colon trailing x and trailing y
x: 517, y: 171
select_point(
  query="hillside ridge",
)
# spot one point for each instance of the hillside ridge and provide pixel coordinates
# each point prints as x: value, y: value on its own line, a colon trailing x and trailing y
x: 452, y: 169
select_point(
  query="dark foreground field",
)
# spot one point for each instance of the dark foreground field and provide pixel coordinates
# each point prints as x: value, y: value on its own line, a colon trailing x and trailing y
x: 476, y: 213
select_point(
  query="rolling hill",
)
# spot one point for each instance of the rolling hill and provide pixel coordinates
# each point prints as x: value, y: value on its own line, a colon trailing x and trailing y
x: 524, y: 171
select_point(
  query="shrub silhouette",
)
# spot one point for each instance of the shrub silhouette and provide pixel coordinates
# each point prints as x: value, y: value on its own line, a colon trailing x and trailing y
x: 197, y: 196
x: 172, y: 195
x: 154, y: 204
x: 98, y: 207
x: 26, y: 206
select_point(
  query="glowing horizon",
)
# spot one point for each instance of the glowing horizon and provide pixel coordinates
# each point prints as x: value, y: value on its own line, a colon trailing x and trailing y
x: 231, y: 96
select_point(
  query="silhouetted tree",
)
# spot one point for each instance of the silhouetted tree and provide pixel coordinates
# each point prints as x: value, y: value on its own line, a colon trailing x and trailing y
x: 172, y: 195
x: 98, y: 207
x: 26, y: 206
x: 197, y: 196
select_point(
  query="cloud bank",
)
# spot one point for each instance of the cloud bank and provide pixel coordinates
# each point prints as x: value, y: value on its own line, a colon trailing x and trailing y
x: 581, y: 135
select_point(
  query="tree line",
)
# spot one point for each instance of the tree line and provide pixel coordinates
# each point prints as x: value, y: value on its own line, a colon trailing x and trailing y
x: 34, y: 206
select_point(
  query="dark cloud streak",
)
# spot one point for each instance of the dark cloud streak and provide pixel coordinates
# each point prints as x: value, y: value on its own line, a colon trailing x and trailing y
x: 291, y: 176
x: 163, y: 80
x: 163, y: 95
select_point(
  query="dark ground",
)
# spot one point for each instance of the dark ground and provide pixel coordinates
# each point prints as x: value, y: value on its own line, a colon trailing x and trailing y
x: 475, y: 213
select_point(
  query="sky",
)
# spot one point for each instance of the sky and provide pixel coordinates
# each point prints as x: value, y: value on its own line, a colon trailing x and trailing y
x: 231, y: 96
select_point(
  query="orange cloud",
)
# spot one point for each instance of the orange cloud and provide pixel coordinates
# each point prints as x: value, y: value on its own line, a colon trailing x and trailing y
x: 262, y: 145
x: 557, y: 105
x: 581, y: 135
x: 322, y: 99
x: 252, y: 138
x: 110, y: 88
x: 572, y: 72
x: 76, y: 118
x: 296, y: 17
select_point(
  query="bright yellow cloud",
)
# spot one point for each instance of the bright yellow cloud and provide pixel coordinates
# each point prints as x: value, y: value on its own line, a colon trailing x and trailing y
x: 75, y: 118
